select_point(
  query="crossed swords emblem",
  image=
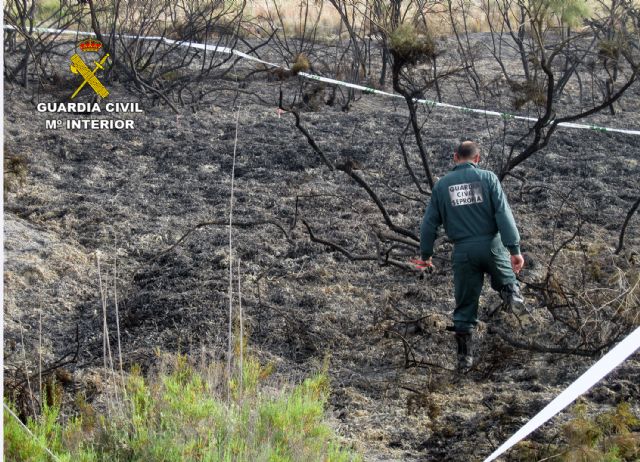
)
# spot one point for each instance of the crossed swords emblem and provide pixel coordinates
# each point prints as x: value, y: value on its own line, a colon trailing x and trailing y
x: 78, y: 66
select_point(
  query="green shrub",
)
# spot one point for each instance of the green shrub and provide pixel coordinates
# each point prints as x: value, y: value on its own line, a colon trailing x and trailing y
x: 183, y: 415
x: 46, y: 8
x: 408, y: 46
x: 570, y: 12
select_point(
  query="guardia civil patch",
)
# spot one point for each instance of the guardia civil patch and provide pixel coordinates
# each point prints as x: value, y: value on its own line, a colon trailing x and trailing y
x: 466, y: 193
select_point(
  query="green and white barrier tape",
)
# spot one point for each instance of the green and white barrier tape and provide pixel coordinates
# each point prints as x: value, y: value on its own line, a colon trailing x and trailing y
x: 319, y: 78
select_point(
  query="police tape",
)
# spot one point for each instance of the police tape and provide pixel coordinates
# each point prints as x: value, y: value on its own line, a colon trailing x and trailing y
x: 606, y: 364
x: 427, y: 102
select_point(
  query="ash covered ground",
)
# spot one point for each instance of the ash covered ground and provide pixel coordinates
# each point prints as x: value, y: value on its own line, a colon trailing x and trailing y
x: 126, y: 197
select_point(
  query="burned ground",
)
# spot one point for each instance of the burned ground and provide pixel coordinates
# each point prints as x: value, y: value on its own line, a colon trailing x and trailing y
x: 124, y: 198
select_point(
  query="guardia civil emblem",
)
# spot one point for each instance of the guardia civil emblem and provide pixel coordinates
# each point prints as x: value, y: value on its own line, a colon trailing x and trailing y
x: 78, y: 66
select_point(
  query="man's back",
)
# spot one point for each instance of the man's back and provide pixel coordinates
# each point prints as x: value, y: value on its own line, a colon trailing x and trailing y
x: 471, y: 205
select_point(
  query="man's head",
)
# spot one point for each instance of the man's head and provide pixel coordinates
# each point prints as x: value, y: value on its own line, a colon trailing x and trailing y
x: 467, y: 151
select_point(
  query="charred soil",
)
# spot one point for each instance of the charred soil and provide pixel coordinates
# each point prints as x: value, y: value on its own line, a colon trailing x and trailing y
x: 125, y: 197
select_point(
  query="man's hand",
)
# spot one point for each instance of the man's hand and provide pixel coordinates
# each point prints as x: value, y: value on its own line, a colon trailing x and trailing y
x: 517, y: 262
x: 422, y: 265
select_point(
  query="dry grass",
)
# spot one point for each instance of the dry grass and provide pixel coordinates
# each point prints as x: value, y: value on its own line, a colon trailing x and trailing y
x: 300, y: 18
x: 291, y: 17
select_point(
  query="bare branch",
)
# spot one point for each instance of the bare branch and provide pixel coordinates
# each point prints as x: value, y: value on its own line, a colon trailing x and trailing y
x: 630, y: 213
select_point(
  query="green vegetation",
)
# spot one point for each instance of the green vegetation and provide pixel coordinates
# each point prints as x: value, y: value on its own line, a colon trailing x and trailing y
x: 569, y: 12
x: 409, y: 45
x: 608, y: 437
x: 46, y: 8
x: 183, y: 415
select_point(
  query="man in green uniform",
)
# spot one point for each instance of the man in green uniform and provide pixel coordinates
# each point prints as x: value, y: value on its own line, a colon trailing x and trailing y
x: 473, y: 208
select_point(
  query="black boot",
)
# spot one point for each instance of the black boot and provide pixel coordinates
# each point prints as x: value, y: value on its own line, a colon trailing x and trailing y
x: 511, y: 297
x: 465, y: 351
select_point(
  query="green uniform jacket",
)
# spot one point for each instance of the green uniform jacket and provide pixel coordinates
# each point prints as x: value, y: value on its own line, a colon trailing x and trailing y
x: 470, y: 203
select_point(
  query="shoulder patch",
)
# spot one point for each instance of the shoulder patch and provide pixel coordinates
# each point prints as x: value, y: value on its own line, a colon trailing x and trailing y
x: 466, y: 193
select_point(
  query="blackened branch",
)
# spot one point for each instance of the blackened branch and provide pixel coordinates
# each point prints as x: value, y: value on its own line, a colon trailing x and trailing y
x: 239, y: 224
x: 381, y: 259
x: 348, y: 168
x: 632, y: 210
x: 307, y: 135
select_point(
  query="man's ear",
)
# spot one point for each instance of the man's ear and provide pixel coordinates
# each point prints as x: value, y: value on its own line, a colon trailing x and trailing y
x: 477, y: 158
x: 456, y: 158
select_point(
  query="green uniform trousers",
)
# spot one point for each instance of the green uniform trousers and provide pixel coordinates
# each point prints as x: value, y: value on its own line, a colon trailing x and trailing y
x: 471, y: 260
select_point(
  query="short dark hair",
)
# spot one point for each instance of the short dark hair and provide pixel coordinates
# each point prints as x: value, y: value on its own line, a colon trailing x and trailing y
x: 467, y: 149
